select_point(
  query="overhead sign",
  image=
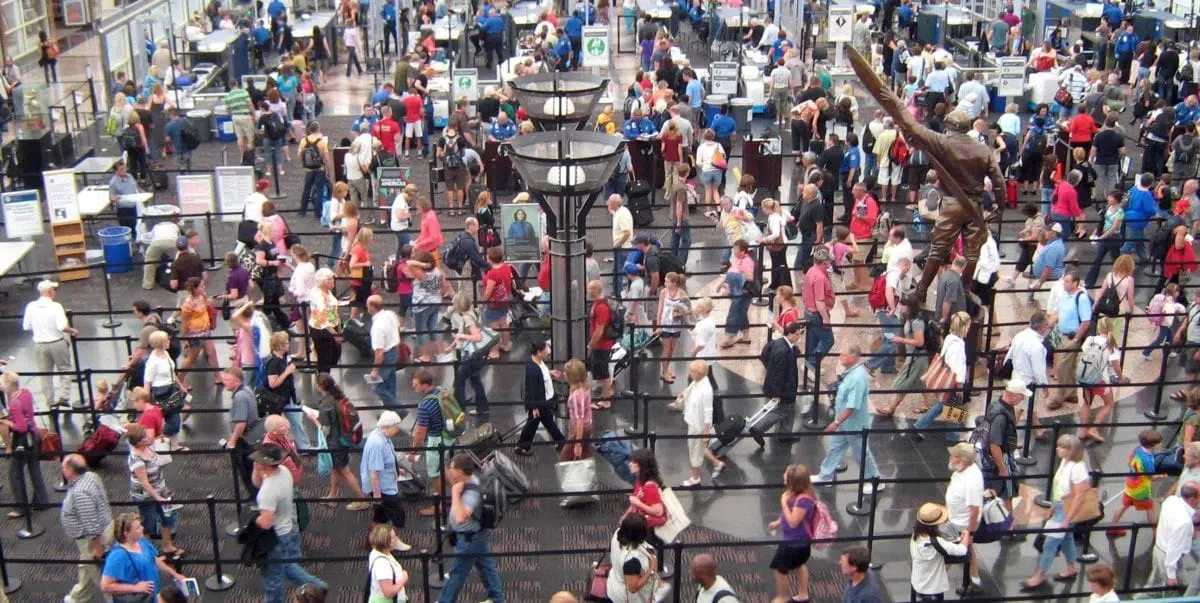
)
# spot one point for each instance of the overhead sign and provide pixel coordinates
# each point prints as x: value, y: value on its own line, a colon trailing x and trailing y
x: 841, y: 22
x: 22, y: 214
x: 1012, y: 76
x: 595, y: 46
x: 725, y: 78
x: 61, y: 196
x: 466, y: 83
x: 194, y: 193
x: 234, y: 185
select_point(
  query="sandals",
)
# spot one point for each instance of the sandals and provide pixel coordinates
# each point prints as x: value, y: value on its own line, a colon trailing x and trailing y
x: 667, y: 378
x: 1027, y: 586
x: 15, y: 515
x: 1066, y: 577
x: 1179, y: 396
x: 885, y: 412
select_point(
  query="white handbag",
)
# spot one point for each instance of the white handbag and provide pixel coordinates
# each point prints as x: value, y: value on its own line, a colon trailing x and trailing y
x: 677, y: 519
x: 163, y: 447
x: 577, y: 476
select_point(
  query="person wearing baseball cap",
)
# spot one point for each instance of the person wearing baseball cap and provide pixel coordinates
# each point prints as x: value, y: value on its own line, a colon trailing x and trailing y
x: 47, y: 320
x: 1050, y: 263
x: 1001, y: 420
x: 277, y: 511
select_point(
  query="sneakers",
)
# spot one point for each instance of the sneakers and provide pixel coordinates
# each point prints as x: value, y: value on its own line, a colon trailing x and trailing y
x: 821, y: 479
x: 717, y: 469
x: 361, y: 505
x: 689, y: 482
x: 868, y: 490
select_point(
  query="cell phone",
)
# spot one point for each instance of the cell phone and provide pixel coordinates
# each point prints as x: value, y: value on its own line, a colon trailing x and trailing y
x: 190, y: 587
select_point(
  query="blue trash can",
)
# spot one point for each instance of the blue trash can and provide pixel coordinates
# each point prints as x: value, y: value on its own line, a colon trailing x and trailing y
x: 997, y: 103
x: 712, y: 106
x: 115, y: 241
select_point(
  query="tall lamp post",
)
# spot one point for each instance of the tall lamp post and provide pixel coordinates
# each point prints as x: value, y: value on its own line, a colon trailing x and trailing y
x: 564, y: 170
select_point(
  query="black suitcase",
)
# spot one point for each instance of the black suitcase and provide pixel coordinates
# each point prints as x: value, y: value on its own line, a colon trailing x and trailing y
x: 248, y: 158
x: 728, y: 434
x: 638, y: 189
x: 358, y: 335
x: 642, y: 210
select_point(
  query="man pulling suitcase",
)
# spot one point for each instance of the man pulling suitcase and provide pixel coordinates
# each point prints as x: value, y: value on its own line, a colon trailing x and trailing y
x: 780, y: 385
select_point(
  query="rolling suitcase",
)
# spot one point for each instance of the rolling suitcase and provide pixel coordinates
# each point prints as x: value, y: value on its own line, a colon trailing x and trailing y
x: 358, y: 335
x: 102, y: 442
x: 728, y: 434
x: 501, y: 467
x: 643, y: 212
x: 1012, y: 193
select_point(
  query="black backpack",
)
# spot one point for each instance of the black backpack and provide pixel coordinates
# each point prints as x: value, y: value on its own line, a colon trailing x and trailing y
x: 452, y: 155
x: 131, y: 141
x: 1109, y: 304
x: 273, y: 127
x: 933, y: 336
x: 616, y: 326
x: 455, y: 256
x: 492, y: 503
x: 189, y: 137
x: 1037, y: 143
x: 311, y: 157
x: 1185, y: 154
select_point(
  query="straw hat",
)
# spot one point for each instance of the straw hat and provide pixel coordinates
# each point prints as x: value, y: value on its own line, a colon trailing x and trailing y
x: 932, y: 514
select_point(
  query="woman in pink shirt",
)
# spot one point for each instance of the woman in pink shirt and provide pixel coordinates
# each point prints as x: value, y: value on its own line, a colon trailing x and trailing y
x: 738, y: 283
x: 1064, y: 203
x: 579, y: 412
x: 430, y: 240
x: 24, y: 434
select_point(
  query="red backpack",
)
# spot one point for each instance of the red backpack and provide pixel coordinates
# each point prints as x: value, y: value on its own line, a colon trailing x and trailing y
x: 348, y: 421
x: 877, y: 298
x: 900, y: 151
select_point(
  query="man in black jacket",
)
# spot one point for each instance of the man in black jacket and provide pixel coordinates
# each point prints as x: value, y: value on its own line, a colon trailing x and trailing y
x: 539, y: 399
x: 781, y: 381
x: 1164, y: 75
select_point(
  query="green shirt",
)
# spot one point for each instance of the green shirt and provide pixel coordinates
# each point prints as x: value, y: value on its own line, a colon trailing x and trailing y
x: 237, y: 101
x: 826, y: 81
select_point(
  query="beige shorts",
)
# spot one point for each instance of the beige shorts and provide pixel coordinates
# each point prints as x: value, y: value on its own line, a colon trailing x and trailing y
x: 243, y: 127
x: 696, y: 448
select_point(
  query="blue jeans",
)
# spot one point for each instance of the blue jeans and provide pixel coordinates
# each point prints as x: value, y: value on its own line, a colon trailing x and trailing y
x: 274, y: 154
x: 837, y: 450
x: 618, y: 271
x: 314, y: 187
x: 477, y: 553
x: 1054, y: 542
x: 1047, y: 194
x: 819, y: 339
x: 1163, y: 338
x: 425, y: 320
x: 472, y: 372
x: 386, y: 389
x: 1133, y: 242
x: 402, y: 239
x: 154, y: 518
x: 335, y: 250
x: 1068, y: 225
x: 886, y: 360
x: 273, y: 574
x: 681, y: 242
x: 931, y: 416
x: 295, y: 417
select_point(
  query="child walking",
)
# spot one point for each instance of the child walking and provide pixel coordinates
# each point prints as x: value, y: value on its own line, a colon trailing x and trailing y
x: 1161, y: 313
x: 845, y: 247
x: 1138, y: 493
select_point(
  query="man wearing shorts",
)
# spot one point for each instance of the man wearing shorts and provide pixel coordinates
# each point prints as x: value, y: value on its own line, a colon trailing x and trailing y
x: 450, y: 152
x: 599, y: 346
x: 997, y: 463
x: 237, y: 101
x: 889, y: 172
x: 428, y: 432
x: 414, y: 120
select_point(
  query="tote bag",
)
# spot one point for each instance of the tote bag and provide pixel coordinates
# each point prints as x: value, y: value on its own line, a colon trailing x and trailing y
x: 677, y: 519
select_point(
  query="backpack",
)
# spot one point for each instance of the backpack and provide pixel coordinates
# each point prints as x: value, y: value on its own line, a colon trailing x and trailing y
x: 453, y: 418
x: 452, y: 155
x: 110, y: 126
x: 175, y: 347
x: 189, y: 137
x: 390, y: 283
x: 1093, y: 362
x: 883, y: 226
x: 616, y: 326
x: 1109, y: 304
x: 1037, y: 143
x: 311, y: 157
x: 980, y: 436
x: 492, y: 502
x: 822, y: 525
x: 275, y: 128
x: 933, y: 336
x: 877, y: 298
x: 455, y: 254
x: 900, y: 151
x: 1185, y: 155
x: 668, y: 263
x: 130, y: 140
x: 349, y: 423
x: 693, y: 196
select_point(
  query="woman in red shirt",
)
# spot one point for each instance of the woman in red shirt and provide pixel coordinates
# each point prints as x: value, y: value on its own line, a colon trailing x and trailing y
x: 430, y: 240
x: 361, y: 273
x: 498, y: 291
x: 24, y: 434
x: 863, y: 216
x: 1064, y: 208
x: 1181, y: 258
x: 1082, y: 129
x: 646, y: 499
x: 672, y: 153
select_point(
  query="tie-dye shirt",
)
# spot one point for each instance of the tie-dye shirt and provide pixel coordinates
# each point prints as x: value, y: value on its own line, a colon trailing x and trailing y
x: 1141, y: 462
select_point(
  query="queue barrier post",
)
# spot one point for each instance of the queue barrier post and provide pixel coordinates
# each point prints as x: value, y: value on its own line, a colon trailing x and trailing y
x: 31, y: 530
x: 652, y: 441
x: 218, y: 581
x: 635, y: 371
x: 75, y: 359
x: 11, y: 584
x: 235, y: 527
x: 275, y: 178
x: 91, y: 399
x: 675, y: 572
x: 426, y: 589
x: 875, y: 565
x: 111, y: 323
x: 213, y: 262
x: 1156, y: 413
x: 760, y: 299
x: 857, y: 508
x: 1024, y: 458
x: 1130, y: 555
x: 646, y: 413
x: 439, y: 580
x: 1042, y: 500
x: 309, y: 367
x: 814, y: 412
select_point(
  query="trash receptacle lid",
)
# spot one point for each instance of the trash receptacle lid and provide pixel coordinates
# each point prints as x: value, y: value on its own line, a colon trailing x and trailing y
x: 741, y: 101
x: 716, y: 99
x: 199, y: 113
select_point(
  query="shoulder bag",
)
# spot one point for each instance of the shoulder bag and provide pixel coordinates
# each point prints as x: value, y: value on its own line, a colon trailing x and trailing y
x: 131, y: 597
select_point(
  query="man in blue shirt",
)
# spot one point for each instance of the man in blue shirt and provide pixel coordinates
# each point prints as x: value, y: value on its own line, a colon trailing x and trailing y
x: 781, y: 45
x: 1073, y: 315
x: 364, y: 122
x: 492, y: 27
x: 383, y: 95
x: 693, y: 89
x: 1050, y: 262
x: 389, y: 26
x: 638, y: 125
x: 849, y: 171
x: 1141, y: 209
x: 428, y: 432
x: 262, y: 41
x: 276, y: 9
x: 174, y: 131
x: 1187, y: 112
x: 723, y: 126
x: 1112, y: 12
x: 1124, y: 46
x: 574, y: 30
x: 502, y: 129
x: 562, y: 49
x: 378, y: 470
x: 470, y: 537
x: 853, y: 414
x: 587, y: 13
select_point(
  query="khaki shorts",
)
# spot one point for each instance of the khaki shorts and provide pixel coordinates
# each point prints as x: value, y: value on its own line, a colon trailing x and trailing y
x: 696, y: 448
x: 243, y: 127
x: 456, y: 178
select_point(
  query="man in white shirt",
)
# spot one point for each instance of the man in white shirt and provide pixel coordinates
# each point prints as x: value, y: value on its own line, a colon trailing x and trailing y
x: 897, y: 246
x: 698, y: 415
x: 385, y: 340
x: 710, y: 586
x: 1027, y: 353
x: 964, y: 500
x: 1173, y: 537
x: 163, y: 238
x: 47, y: 320
x: 770, y: 34
x: 622, y: 238
x: 401, y: 218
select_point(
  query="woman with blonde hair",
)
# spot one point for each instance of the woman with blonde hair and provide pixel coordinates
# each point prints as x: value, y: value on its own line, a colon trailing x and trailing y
x: 1070, y: 483
x: 1098, y: 381
x: 266, y: 256
x: 324, y: 323
x: 486, y: 216
x: 775, y: 240
x: 304, y: 278
x: 158, y: 120
x: 281, y: 383
x: 133, y: 564
x: 161, y: 380
x: 1121, y: 278
x: 472, y: 343
x: 579, y: 412
x: 356, y: 175
x: 196, y: 315
x: 148, y: 487
x: 362, y: 274
x: 796, y: 506
x: 954, y: 355
x: 787, y: 311
x: 673, y: 306
x: 338, y: 199
x: 387, y: 576
x: 26, y: 444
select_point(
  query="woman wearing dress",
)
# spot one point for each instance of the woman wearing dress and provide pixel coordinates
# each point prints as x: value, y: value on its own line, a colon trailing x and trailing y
x: 775, y: 239
x: 323, y: 321
x: 1070, y: 483
x: 796, y: 505
x: 148, y: 487
x: 196, y: 315
x: 673, y: 307
x: 160, y: 379
x: 929, y: 580
x: 25, y: 436
x: 320, y: 55
x: 916, y: 360
x: 132, y: 566
x: 158, y: 120
x: 388, y: 577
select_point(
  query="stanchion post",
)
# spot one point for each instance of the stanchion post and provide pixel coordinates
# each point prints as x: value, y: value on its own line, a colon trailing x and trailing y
x: 652, y: 441
x: 275, y: 178
x: 875, y: 565
x: 110, y: 323
x: 1042, y: 500
x: 439, y: 512
x: 74, y: 357
x: 1125, y: 338
x: 1129, y: 557
x: 674, y: 571
x: 1025, y: 459
x: 235, y: 528
x: 814, y: 412
x: 635, y: 363
x: 645, y: 399
x: 1156, y: 413
x: 761, y: 299
x: 425, y: 586
x: 213, y: 262
x: 309, y: 367
x: 218, y: 581
x: 11, y: 583
x: 91, y: 399
x: 856, y: 508
x: 31, y: 530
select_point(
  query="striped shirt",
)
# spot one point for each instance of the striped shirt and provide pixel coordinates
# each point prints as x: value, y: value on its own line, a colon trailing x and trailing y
x: 85, y: 512
x: 237, y: 101
x: 429, y: 413
x: 579, y: 406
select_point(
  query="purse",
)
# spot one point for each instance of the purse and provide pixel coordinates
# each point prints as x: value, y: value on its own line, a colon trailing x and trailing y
x: 1089, y: 509
x: 51, y: 447
x: 938, y: 375
x: 719, y: 161
x: 598, y: 583
x: 677, y: 520
x: 131, y: 597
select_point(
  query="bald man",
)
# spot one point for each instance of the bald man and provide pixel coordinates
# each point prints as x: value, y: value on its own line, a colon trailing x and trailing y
x: 713, y: 588
x: 87, y: 519
x: 810, y: 221
x: 385, y: 341
x: 278, y: 432
x: 563, y: 597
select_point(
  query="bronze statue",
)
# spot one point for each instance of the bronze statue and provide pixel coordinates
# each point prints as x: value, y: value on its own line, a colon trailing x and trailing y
x: 961, y: 163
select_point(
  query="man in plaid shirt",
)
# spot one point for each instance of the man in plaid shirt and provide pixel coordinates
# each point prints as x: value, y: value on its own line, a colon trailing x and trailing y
x: 87, y: 519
